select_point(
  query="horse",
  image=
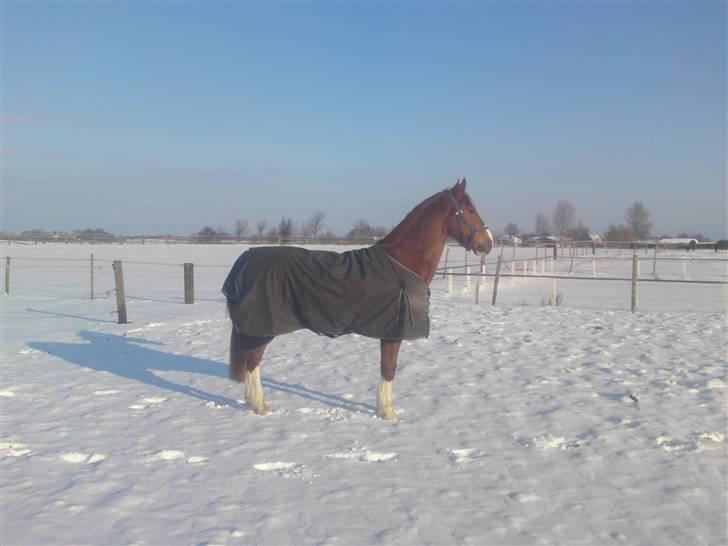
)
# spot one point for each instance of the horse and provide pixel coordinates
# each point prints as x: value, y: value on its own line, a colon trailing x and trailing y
x: 265, y: 290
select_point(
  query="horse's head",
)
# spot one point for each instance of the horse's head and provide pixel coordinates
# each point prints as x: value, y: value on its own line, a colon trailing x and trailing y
x: 465, y: 224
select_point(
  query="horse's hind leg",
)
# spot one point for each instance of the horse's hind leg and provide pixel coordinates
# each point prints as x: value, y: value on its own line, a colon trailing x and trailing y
x: 385, y: 405
x: 245, y: 356
x: 236, y: 371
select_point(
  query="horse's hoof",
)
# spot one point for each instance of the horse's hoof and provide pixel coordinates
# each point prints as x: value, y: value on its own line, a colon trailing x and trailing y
x: 261, y: 410
x: 387, y: 413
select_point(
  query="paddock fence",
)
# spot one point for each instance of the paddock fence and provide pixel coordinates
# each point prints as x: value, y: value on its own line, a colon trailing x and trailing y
x: 644, y: 278
x: 622, y: 279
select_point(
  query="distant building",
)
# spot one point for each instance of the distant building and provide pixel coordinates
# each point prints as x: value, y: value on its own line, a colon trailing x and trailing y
x: 545, y: 240
x: 679, y: 241
x: 509, y: 240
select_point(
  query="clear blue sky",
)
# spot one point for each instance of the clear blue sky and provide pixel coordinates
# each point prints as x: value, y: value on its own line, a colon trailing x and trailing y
x: 166, y: 117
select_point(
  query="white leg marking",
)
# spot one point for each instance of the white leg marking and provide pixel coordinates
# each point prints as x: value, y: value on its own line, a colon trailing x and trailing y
x: 385, y: 410
x: 254, y: 392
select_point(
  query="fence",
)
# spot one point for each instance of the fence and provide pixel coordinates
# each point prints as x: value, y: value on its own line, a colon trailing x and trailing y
x: 183, y: 240
x: 664, y: 282
x: 534, y: 277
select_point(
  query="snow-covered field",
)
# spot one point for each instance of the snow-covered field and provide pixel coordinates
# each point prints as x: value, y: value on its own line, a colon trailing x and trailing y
x: 577, y: 424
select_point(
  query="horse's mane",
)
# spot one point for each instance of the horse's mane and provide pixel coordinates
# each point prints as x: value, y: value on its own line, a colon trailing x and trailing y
x: 413, y: 216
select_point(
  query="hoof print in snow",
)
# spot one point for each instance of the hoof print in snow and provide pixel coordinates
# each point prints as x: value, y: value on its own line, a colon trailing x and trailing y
x: 363, y: 455
x: 464, y: 455
x: 280, y: 468
x: 74, y: 457
x: 548, y: 443
x: 14, y: 449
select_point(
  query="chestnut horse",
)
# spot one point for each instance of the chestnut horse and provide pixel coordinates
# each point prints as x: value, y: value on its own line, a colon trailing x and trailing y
x: 417, y: 244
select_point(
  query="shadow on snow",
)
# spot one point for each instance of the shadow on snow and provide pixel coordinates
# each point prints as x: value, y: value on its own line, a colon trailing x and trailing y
x: 137, y: 359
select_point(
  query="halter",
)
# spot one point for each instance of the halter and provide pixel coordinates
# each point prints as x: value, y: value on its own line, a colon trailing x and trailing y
x: 462, y: 220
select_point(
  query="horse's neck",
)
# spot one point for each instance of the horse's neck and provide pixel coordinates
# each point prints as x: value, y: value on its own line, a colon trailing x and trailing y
x: 418, y: 245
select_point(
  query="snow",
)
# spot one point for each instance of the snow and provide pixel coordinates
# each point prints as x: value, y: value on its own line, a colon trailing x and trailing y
x: 518, y: 423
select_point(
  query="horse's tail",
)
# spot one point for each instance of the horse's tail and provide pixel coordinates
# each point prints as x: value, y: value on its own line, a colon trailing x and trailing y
x: 236, y: 371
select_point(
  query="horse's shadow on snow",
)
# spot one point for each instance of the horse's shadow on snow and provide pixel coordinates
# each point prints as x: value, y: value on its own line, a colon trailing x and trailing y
x: 136, y: 359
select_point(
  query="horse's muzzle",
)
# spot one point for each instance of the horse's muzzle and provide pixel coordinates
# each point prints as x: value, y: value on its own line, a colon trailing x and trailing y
x: 483, y: 243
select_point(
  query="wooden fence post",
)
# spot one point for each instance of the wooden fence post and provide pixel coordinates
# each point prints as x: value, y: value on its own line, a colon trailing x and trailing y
x: 497, y: 278
x: 120, y: 296
x: 553, y: 292
x: 189, y: 283
x: 635, y: 274
x: 444, y: 269
x: 92, y: 276
x: 7, y: 274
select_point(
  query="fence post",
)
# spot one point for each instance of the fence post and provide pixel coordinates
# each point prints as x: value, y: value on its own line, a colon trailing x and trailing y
x: 92, y: 276
x: 449, y: 283
x: 120, y: 296
x: 189, y: 283
x: 553, y: 292
x: 497, y: 278
x: 7, y: 274
x: 654, y: 261
x: 480, y: 280
x: 594, y: 267
x: 571, y: 265
x: 635, y: 274
x: 444, y: 269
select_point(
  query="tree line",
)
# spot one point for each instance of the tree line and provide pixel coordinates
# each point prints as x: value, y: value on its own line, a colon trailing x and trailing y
x: 313, y: 228
x: 562, y: 223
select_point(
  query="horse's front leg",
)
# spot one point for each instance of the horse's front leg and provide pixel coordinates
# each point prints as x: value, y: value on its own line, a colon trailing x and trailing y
x: 390, y: 351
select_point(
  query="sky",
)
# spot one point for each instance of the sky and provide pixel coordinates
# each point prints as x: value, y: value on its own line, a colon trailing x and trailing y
x: 143, y: 118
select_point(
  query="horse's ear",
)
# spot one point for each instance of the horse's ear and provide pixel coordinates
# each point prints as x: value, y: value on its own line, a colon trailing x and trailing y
x: 459, y: 189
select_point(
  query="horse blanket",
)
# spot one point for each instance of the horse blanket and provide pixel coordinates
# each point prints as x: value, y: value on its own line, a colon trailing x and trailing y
x: 276, y: 290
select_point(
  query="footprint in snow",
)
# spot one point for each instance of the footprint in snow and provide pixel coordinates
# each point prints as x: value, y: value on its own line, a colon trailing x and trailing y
x: 176, y: 455
x: 464, y: 455
x: 363, y: 455
x: 548, y: 442
x: 523, y: 497
x: 75, y: 457
x: 14, y: 449
x: 281, y: 469
x: 698, y: 441
x: 107, y: 392
x: 149, y: 401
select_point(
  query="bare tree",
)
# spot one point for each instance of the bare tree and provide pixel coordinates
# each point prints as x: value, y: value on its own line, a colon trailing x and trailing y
x: 316, y: 223
x: 362, y: 228
x: 511, y: 229
x: 619, y: 233
x: 638, y: 220
x: 563, y: 216
x: 260, y: 227
x: 285, y: 227
x: 578, y: 233
x: 240, y: 228
x: 542, y: 226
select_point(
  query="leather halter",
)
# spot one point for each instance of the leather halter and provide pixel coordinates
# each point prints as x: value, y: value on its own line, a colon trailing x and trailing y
x: 462, y: 220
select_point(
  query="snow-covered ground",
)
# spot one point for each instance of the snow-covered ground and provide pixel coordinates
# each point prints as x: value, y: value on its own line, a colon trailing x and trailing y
x: 518, y: 423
